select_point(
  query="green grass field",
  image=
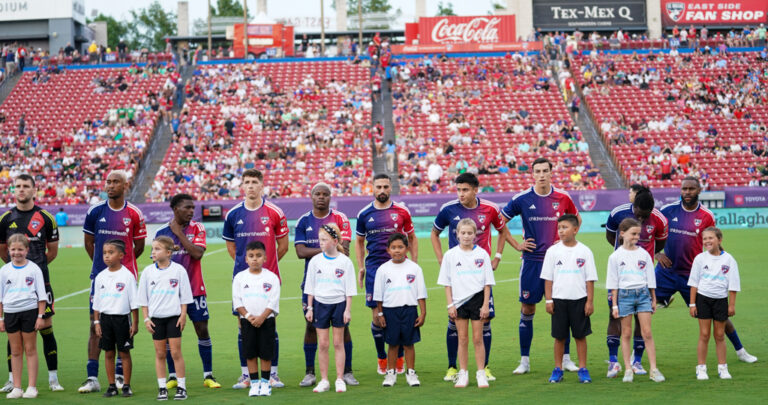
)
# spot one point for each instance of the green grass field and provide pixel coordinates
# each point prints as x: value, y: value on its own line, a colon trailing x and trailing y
x: 675, y: 333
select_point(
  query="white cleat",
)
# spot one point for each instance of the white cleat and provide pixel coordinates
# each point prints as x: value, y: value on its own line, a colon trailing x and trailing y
x: 90, y: 385
x: 722, y: 371
x: 8, y: 387
x: 462, y: 379
x: 656, y: 376
x: 482, y: 381
x: 614, y: 368
x: 742, y: 355
x: 15, y: 393
x: 31, y: 392
x: 701, y: 372
x: 412, y: 379
x: 322, y: 386
x: 119, y: 381
x: 629, y: 376
x: 569, y: 365
x: 242, y: 383
x: 389, y: 379
x: 522, y: 368
x: 340, y: 385
x: 55, y: 386
x: 254, y: 390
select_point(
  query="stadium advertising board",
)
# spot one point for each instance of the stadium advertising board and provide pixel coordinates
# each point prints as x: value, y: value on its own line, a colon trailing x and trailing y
x: 20, y: 10
x: 589, y: 15
x: 725, y: 13
x: 486, y: 33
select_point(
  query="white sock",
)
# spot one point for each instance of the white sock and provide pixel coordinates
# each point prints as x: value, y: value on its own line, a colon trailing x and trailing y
x: 161, y: 382
x: 10, y: 377
x: 207, y: 374
x: 525, y: 360
x: 53, y: 375
x: 244, y: 370
x: 742, y: 350
x: 273, y: 370
x: 182, y: 382
x: 171, y: 375
x: 566, y: 356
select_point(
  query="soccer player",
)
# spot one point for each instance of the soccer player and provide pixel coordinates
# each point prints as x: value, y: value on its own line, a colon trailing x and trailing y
x: 486, y: 215
x: 688, y: 218
x: 42, y: 232
x: 539, y: 208
x: 255, y: 219
x: 375, y: 223
x: 189, y: 237
x: 113, y: 218
x: 307, y: 246
x: 653, y: 236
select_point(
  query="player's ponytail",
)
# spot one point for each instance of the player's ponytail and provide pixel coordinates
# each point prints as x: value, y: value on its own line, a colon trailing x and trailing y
x: 718, y: 234
x: 335, y: 233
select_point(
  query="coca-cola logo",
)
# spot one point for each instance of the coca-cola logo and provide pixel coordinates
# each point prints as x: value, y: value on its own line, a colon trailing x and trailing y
x: 479, y: 29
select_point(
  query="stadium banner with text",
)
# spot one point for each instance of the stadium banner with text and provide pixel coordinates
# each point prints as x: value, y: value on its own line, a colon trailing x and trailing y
x: 471, y: 47
x: 21, y: 10
x: 723, y: 13
x: 552, y: 15
x: 483, y: 29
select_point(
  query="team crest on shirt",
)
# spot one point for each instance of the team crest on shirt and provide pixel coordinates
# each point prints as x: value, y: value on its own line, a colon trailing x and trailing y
x: 120, y: 286
x: 697, y: 221
x: 725, y: 269
x: 393, y: 216
x: 555, y: 205
x: 481, y: 218
x: 339, y: 273
x: 580, y: 262
x: 190, y: 236
x: 34, y: 224
x: 649, y: 228
x: 264, y: 220
x: 126, y: 221
x: 410, y: 278
x: 174, y: 282
x: 479, y: 262
x: 29, y: 280
x: 267, y: 287
x: 641, y: 264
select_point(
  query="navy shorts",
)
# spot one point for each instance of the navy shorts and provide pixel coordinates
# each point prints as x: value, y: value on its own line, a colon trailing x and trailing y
x: 329, y: 315
x: 304, y: 303
x: 370, y: 277
x: 400, y: 329
x: 198, y: 309
x: 531, y: 283
x: 668, y: 282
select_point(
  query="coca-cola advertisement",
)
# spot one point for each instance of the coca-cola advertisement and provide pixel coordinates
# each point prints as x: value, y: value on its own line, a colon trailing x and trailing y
x: 723, y: 13
x: 487, y: 29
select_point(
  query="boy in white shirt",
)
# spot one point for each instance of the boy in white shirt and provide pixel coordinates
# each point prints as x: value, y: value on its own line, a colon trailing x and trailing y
x: 569, y: 288
x: 116, y: 314
x: 398, y: 288
x: 256, y: 297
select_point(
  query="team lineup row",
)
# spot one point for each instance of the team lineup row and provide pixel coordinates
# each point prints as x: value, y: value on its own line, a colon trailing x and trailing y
x: 256, y: 219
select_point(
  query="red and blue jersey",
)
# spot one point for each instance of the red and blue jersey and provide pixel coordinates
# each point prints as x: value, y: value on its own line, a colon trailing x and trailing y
x: 265, y: 224
x: 539, y: 214
x: 653, y: 229
x: 308, y: 227
x: 685, y: 228
x: 376, y: 225
x: 104, y: 223
x: 195, y: 232
x: 486, y: 215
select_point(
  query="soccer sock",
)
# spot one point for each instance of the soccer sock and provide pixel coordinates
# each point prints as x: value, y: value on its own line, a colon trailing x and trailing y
x: 347, y: 357
x: 169, y: 360
x: 487, y: 341
x: 277, y: 353
x: 53, y: 375
x: 639, y: 347
x: 567, y: 347
x: 265, y: 374
x: 400, y: 352
x: 243, y: 363
x: 182, y: 382
x: 378, y: 341
x: 205, y: 348
x: 613, y: 348
x: 92, y: 368
x: 526, y: 333
x: 310, y: 350
x: 452, y: 344
x: 50, y: 349
x: 9, y: 358
x: 119, y: 366
x: 254, y: 377
x: 161, y: 382
x: 734, y: 338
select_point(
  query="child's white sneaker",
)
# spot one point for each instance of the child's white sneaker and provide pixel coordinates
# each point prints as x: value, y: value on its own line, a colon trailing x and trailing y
x: 701, y: 372
x: 322, y: 386
x: 524, y: 367
x: 31, y: 392
x: 722, y: 371
x: 462, y: 379
x: 390, y: 378
x: 656, y: 375
x: 482, y: 380
x: 15, y: 393
x: 340, y: 385
x: 411, y: 378
x: 628, y: 375
x: 254, y: 390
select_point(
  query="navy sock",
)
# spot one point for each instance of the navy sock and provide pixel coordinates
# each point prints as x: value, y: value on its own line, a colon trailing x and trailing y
x: 487, y: 341
x: 567, y: 348
x: 254, y: 376
x: 310, y: 350
x: 378, y: 341
x: 205, y: 348
x: 734, y: 338
x: 452, y: 343
x: 348, y: 357
x: 526, y: 333
x: 400, y: 352
x: 119, y: 366
x: 639, y: 347
x: 277, y: 351
x: 93, y: 368
x: 243, y: 362
x: 613, y: 343
x: 169, y: 359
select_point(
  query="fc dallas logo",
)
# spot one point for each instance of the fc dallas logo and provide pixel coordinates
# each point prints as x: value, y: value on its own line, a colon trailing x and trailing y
x: 410, y: 278
x: 174, y: 282
x: 725, y: 269
x: 641, y: 264
x: 29, y: 280
x: 479, y: 262
x: 339, y: 273
x: 267, y: 287
x: 120, y: 286
x: 675, y: 10
x: 580, y: 262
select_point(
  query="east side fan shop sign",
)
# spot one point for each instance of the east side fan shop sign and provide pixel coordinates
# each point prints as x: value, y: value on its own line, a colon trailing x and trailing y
x: 724, y: 13
x: 461, y: 34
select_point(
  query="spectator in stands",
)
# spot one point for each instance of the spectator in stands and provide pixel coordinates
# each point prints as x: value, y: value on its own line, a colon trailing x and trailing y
x: 62, y: 218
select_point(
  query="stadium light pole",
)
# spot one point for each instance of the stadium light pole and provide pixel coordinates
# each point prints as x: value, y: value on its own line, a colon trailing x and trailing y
x: 245, y: 28
x: 210, y: 41
x: 359, y: 26
x: 322, y: 28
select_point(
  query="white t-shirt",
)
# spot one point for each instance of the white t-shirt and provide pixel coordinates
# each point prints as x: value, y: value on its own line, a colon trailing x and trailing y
x: 467, y: 273
x: 399, y: 284
x: 21, y: 288
x: 629, y: 269
x: 164, y: 291
x: 330, y: 280
x: 115, y: 292
x: 714, y: 276
x: 569, y: 269
x: 256, y: 292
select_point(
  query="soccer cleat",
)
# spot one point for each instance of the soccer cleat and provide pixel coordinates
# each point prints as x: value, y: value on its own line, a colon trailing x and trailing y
x: 666, y: 303
x: 701, y: 372
x: 265, y: 388
x: 722, y: 372
x: 31, y: 392
x: 742, y: 355
x: 614, y: 368
x: 382, y: 367
x: 340, y: 385
x: 274, y: 381
x: 162, y: 394
x: 308, y: 380
x: 181, y: 394
x: 111, y: 392
x: 8, y: 387
x: 462, y: 379
x: 629, y: 376
x: 172, y: 382
x: 390, y: 379
x: 399, y: 365
x: 638, y: 369
x: 127, y: 392
x: 54, y: 385
x: 450, y: 375
x: 482, y: 381
x: 522, y: 368
x: 412, y: 379
x: 584, y: 376
x: 322, y: 386
x: 210, y: 382
x: 89, y: 385
x: 568, y: 364
x: 656, y: 376
x: 242, y: 383
x: 488, y: 375
x: 119, y: 381
x: 15, y: 393
x: 350, y: 379
x: 254, y: 390
x: 557, y: 375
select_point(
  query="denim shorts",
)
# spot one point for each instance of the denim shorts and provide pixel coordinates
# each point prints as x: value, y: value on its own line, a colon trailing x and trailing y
x: 633, y: 301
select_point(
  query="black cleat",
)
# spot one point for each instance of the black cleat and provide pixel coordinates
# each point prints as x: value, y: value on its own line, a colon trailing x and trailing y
x: 111, y: 391
x: 162, y: 394
x: 181, y: 394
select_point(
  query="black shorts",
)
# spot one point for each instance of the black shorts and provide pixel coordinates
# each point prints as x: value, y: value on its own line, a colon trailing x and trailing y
x: 711, y: 308
x: 400, y: 328
x: 471, y: 308
x: 49, y: 312
x: 21, y: 321
x: 165, y: 328
x: 258, y: 342
x: 327, y: 315
x: 116, y: 333
x: 569, y: 314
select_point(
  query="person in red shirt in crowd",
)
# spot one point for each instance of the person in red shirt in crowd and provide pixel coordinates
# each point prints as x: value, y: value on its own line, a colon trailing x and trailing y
x: 666, y: 168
